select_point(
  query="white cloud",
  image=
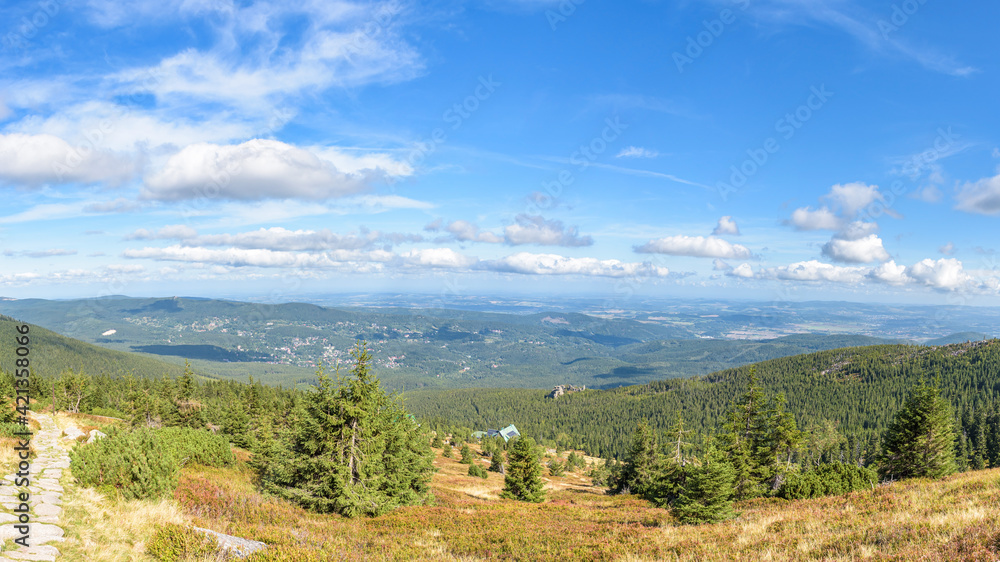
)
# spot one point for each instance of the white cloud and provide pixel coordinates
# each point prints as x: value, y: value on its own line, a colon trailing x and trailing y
x: 948, y: 249
x: 719, y: 265
x: 637, y: 152
x: 241, y: 257
x: 726, y: 226
x: 743, y: 270
x: 861, y: 250
x: 858, y: 230
x: 178, y: 231
x: 695, y: 246
x: 438, y: 257
x: 821, y: 219
x: 35, y: 160
x: 813, y: 270
x: 891, y: 274
x: 552, y: 264
x: 982, y: 197
x: 945, y: 274
x: 258, y: 169
x: 533, y: 229
x: 281, y: 239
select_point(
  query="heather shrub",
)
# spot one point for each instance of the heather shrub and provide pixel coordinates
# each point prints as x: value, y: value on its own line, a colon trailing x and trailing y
x: 173, y: 543
x: 131, y: 464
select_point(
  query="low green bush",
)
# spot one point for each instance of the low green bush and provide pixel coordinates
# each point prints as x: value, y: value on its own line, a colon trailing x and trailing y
x: 476, y: 470
x: 196, y: 446
x: 174, y: 543
x: 131, y: 464
x: 830, y: 479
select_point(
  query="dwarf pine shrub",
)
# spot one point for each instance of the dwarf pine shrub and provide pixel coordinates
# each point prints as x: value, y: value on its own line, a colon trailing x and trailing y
x: 830, y: 479
x: 196, y: 446
x: 173, y: 543
x: 476, y: 470
x: 131, y: 464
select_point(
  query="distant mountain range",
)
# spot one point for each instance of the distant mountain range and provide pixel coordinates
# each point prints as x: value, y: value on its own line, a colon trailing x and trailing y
x: 428, y: 348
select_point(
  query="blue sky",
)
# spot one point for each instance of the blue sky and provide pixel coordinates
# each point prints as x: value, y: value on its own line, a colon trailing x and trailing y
x: 772, y: 149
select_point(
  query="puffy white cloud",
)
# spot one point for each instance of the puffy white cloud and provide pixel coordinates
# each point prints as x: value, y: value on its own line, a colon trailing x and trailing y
x: 982, y: 197
x: 821, y: 219
x: 890, y: 273
x: 726, y: 226
x: 858, y: 230
x: 813, y: 270
x: 743, y: 270
x: 636, y: 152
x: 861, y: 250
x: 258, y: 169
x: 534, y: 229
x: 695, y: 246
x: 35, y: 160
x: 944, y: 274
x: 948, y: 249
x: 552, y: 264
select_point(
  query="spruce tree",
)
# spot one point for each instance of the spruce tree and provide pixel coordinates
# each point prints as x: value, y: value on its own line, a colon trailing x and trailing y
x: 523, y: 479
x: 639, y: 474
x: 920, y: 442
x: 352, y: 448
x: 466, y: 452
x: 707, y: 494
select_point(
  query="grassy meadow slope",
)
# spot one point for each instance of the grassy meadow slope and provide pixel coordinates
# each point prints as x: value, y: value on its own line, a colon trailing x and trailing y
x: 956, y: 519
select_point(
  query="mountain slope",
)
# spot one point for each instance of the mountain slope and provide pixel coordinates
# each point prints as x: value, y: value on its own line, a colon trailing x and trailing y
x: 51, y: 354
x: 858, y: 389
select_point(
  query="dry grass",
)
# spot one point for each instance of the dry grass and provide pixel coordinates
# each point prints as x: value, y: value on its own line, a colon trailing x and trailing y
x: 956, y: 519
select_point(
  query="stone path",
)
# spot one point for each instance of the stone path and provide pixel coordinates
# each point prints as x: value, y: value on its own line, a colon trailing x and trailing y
x: 45, y: 497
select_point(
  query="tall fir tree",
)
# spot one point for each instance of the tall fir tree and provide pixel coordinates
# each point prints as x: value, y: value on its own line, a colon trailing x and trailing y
x: 640, y: 473
x: 523, y: 479
x: 920, y: 441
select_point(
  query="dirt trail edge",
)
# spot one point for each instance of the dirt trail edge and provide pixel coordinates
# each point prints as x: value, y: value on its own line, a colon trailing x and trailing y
x: 45, y: 501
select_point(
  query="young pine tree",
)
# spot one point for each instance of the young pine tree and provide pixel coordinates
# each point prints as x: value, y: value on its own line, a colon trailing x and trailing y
x: 523, y: 479
x: 920, y: 442
x: 707, y: 495
x: 466, y: 452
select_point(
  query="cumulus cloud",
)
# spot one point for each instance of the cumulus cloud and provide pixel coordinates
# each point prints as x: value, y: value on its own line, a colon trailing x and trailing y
x: 726, y: 226
x: 945, y: 274
x: 948, y: 249
x: 743, y: 270
x: 552, y: 264
x: 253, y: 170
x: 534, y: 229
x: 438, y: 258
x: 890, y: 274
x: 806, y: 218
x: 35, y: 160
x: 695, y: 246
x: 852, y: 197
x: 813, y: 270
x: 861, y: 250
x: 637, y: 152
x: 982, y: 197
